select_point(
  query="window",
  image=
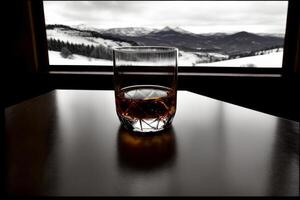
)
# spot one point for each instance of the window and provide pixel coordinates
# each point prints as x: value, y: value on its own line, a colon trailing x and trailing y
x: 243, y: 34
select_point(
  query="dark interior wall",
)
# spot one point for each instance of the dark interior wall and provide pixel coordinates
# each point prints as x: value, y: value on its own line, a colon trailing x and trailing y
x: 20, y: 78
x: 20, y: 39
x: 276, y: 96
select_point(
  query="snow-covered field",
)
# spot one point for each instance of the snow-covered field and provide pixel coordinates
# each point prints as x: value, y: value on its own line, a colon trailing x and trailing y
x: 269, y: 60
x: 187, y: 59
x: 272, y: 60
x: 56, y: 59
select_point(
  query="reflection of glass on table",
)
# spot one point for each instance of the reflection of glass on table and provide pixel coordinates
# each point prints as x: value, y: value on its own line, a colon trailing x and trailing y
x: 146, y: 152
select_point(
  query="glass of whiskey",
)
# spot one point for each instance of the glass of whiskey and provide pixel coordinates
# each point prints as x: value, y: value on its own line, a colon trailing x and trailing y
x: 145, y: 83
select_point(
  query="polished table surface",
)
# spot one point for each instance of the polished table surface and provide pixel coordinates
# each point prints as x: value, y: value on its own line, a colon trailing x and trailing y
x: 70, y: 143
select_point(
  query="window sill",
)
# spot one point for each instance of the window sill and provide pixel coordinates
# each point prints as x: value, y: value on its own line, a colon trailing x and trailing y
x: 180, y: 74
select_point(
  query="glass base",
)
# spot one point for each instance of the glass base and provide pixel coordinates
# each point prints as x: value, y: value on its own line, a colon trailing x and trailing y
x: 146, y: 125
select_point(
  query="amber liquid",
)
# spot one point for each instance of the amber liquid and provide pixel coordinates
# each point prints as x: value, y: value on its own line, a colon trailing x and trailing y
x: 146, y: 108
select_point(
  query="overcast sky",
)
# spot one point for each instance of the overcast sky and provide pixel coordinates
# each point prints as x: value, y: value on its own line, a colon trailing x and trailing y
x: 194, y: 16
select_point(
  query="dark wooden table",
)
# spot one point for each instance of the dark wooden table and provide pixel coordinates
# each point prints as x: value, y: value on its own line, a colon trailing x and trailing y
x: 70, y: 143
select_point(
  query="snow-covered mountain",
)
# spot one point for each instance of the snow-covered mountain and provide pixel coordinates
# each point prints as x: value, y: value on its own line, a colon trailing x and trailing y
x: 173, y: 29
x: 230, y: 44
x: 218, y: 34
x: 85, y: 27
x: 129, y: 31
x: 193, y: 48
x: 142, y: 31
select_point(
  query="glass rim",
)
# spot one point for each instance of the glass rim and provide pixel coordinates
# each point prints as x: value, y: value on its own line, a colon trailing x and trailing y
x: 145, y: 49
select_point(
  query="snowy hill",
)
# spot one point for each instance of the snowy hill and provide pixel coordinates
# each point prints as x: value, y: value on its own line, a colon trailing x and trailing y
x: 271, y: 60
x: 79, y: 37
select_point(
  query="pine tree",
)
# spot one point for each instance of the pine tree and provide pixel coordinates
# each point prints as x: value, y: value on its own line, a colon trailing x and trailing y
x: 65, y: 52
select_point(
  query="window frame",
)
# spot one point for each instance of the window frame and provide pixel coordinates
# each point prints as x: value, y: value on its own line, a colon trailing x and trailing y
x: 289, y: 67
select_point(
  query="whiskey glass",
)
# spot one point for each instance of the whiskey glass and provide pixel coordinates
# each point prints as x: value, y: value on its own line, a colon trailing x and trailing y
x: 145, y: 84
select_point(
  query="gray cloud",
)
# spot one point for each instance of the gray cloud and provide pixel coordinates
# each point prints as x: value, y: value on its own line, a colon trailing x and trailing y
x: 197, y: 16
